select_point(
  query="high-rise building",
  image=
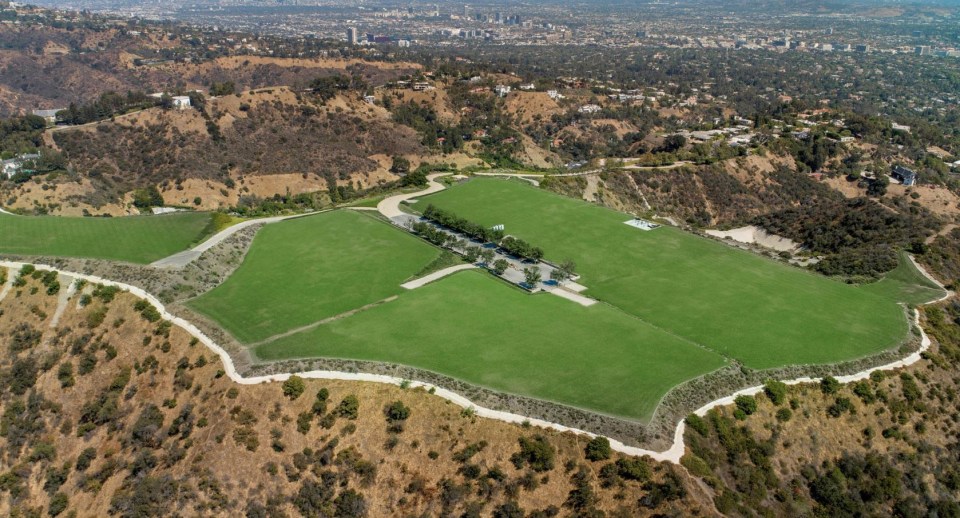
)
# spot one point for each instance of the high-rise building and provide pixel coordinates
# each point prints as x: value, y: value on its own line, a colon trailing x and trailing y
x: 352, y: 36
x: 498, y: 17
x: 922, y: 50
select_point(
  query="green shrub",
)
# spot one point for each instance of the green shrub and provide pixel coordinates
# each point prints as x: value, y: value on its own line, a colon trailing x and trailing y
x: 829, y: 385
x: 349, y: 408
x: 537, y: 452
x: 746, y: 404
x: 697, y: 423
x: 776, y: 391
x: 293, y: 387
x: 598, y: 448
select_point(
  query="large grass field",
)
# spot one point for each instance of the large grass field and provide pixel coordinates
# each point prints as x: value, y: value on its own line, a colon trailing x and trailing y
x: 304, y: 270
x: 136, y: 239
x: 477, y: 329
x: 759, y: 311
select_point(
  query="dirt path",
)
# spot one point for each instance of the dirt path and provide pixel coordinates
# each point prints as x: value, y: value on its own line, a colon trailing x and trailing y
x: 944, y: 231
x: 64, y: 299
x: 590, y: 191
x: 7, y: 286
x: 439, y: 274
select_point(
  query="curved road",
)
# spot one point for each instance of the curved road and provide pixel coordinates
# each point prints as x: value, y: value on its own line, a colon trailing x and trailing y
x: 390, y: 206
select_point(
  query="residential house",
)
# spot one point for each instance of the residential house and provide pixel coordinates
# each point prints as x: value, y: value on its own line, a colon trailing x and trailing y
x: 48, y: 115
x: 904, y: 175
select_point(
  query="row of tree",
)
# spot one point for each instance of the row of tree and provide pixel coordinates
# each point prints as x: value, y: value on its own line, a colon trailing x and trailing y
x: 452, y: 221
x: 510, y: 244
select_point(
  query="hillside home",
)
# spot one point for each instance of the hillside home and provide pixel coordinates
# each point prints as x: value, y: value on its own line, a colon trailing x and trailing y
x: 904, y: 175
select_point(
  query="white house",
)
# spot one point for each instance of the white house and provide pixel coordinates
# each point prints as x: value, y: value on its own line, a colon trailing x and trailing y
x: 48, y: 115
x: 589, y: 108
x: 14, y: 165
x: 502, y: 90
x: 181, y: 102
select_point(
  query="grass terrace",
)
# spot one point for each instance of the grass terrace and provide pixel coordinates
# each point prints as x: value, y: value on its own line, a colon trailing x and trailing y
x: 135, y: 239
x: 760, y: 311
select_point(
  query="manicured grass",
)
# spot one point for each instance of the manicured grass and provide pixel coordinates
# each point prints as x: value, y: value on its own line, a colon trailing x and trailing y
x: 482, y: 331
x: 905, y: 283
x: 136, y: 239
x: 304, y: 270
x: 759, y: 311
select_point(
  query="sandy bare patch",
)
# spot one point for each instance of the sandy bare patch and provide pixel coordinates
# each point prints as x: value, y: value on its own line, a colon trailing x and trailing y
x: 532, y: 106
x: 757, y: 236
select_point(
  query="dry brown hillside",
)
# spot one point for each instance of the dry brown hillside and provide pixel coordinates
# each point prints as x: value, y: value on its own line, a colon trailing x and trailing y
x: 111, y: 412
x: 229, y: 149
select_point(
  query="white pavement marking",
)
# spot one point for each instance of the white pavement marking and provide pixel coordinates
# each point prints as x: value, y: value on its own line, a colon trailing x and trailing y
x: 390, y: 206
x: 575, y: 297
x: 439, y: 274
x: 673, y: 454
x: 5, y: 212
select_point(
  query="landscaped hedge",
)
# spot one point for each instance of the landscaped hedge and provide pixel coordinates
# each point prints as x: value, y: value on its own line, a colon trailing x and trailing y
x: 512, y: 245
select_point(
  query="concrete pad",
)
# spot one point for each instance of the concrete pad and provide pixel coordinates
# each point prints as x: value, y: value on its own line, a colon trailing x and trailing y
x: 439, y: 274
x: 575, y: 297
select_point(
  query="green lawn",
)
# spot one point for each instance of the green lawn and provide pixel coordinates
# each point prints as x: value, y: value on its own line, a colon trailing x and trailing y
x: 762, y: 312
x: 482, y: 331
x: 136, y: 239
x: 304, y: 270
x: 907, y: 284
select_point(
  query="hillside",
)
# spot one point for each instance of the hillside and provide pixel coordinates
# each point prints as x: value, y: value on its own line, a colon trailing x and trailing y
x: 255, y: 144
x: 108, y: 411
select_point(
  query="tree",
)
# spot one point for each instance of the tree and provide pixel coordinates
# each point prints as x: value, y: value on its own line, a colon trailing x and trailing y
x: 746, y: 404
x: 400, y: 166
x: 829, y: 385
x: 776, y: 391
x: 673, y: 143
x: 396, y: 411
x: 293, y: 387
x: 536, y: 452
x: 472, y: 253
x: 531, y: 276
x: 598, y: 449
x: 500, y: 266
x: 486, y: 255
x: 224, y: 88
x: 349, y: 407
x: 147, y: 197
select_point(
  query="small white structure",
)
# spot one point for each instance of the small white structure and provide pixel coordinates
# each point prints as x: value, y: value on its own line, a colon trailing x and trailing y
x: 589, y: 108
x: 527, y: 87
x: 15, y: 165
x: 181, y: 102
x: 555, y: 95
x: 48, y: 115
x: 642, y: 224
x: 369, y: 99
x: 502, y: 90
